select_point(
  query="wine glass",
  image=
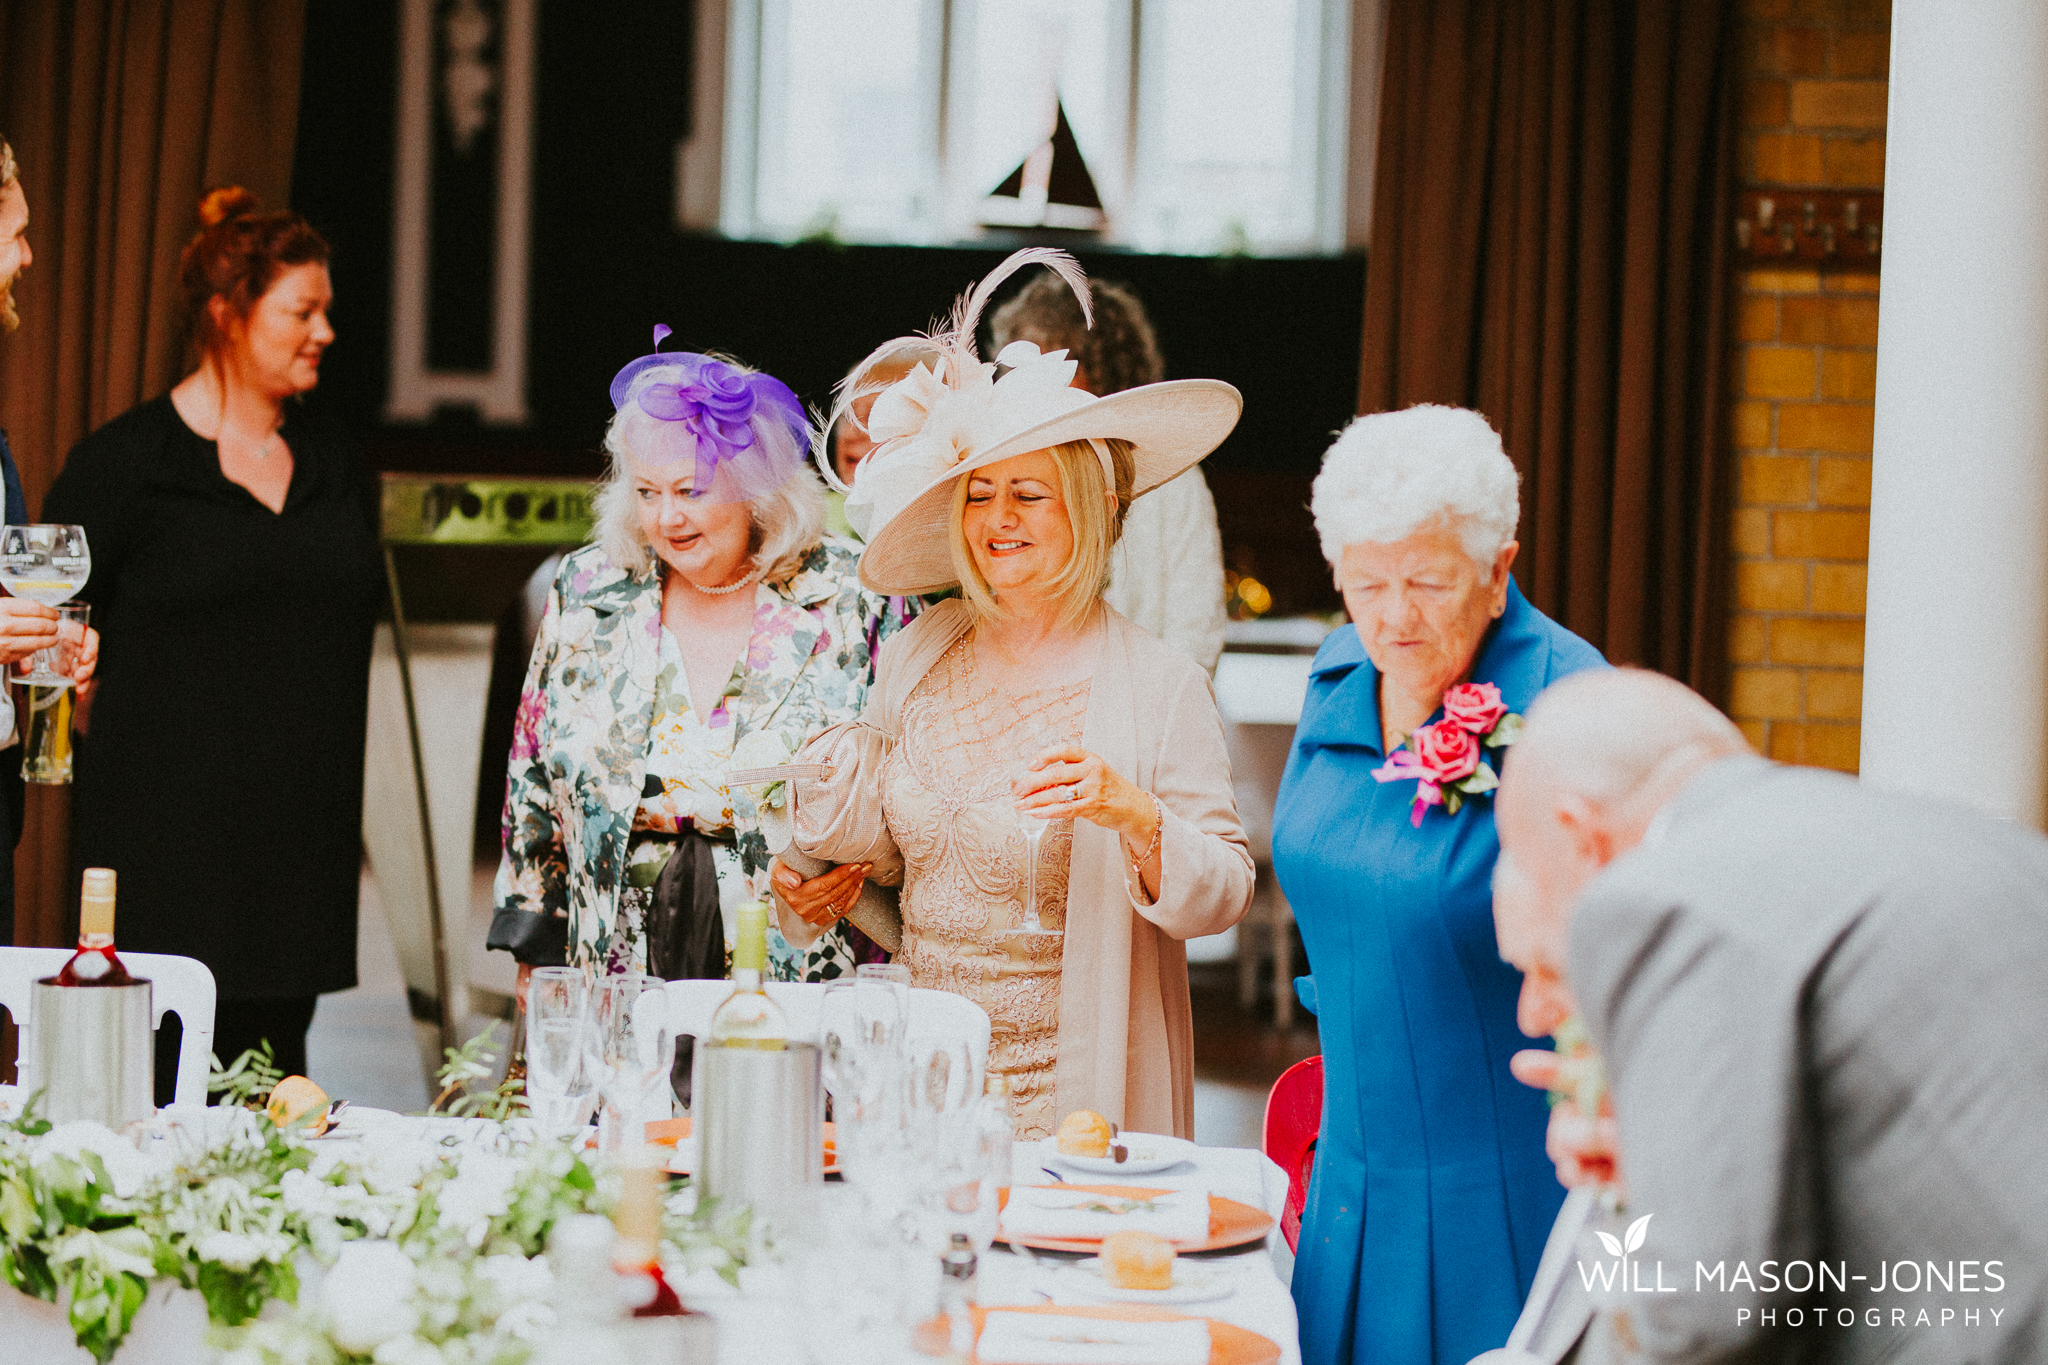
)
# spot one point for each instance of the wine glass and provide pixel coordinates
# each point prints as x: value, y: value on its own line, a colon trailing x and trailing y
x: 636, y: 1049
x: 941, y: 1077
x: 47, y: 564
x: 970, y: 1188
x: 857, y: 1278
x: 884, y: 995
x: 561, y: 1065
x: 842, y: 1040
x: 1033, y: 828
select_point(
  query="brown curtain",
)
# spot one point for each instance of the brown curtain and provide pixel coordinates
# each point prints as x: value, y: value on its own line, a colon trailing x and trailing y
x: 121, y: 113
x: 1549, y: 247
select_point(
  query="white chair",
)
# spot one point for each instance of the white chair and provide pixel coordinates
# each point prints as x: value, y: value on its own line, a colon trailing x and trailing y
x: 691, y: 1004
x: 181, y: 985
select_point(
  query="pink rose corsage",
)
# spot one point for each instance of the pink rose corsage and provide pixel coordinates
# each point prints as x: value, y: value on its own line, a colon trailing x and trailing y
x: 1447, y: 760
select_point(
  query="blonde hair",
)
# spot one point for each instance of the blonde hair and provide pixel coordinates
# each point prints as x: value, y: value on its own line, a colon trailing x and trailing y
x: 1083, y: 579
x: 787, y: 523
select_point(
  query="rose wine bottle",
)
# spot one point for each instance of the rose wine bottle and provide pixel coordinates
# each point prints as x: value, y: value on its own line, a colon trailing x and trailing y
x: 748, y: 1018
x: 637, y: 1253
x: 94, y: 964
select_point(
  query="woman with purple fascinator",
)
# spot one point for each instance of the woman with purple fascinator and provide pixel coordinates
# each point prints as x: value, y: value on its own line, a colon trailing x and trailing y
x: 711, y: 626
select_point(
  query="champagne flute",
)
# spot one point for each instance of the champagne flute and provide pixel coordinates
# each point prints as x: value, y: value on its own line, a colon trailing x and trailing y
x: 561, y: 1073
x: 884, y: 995
x: 842, y: 1043
x: 637, y: 1048
x: 1033, y: 828
x: 942, y: 1078
x: 47, y: 564
x: 973, y: 1191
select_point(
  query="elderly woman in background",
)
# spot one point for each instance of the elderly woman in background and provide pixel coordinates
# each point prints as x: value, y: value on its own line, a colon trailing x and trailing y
x: 712, y: 626
x: 1029, y: 700
x: 1168, y: 569
x: 1432, y: 1196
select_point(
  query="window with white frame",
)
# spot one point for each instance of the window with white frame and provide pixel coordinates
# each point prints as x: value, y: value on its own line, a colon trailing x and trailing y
x: 1189, y: 126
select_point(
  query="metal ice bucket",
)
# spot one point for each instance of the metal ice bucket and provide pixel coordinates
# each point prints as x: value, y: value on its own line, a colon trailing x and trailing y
x: 95, y: 1057
x: 760, y: 1120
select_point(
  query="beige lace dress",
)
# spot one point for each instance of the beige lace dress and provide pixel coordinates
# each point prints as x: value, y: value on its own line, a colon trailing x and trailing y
x: 946, y: 795
x: 1124, y: 1041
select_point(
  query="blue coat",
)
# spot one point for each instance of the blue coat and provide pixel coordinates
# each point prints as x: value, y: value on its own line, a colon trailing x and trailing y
x: 1432, y: 1196
x: 10, y: 486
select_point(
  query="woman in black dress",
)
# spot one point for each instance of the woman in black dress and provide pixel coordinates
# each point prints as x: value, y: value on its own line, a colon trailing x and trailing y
x: 235, y: 583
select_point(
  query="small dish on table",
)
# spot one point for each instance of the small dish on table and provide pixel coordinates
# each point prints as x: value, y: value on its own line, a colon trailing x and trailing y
x: 1144, y: 1154
x: 1231, y: 1224
x: 1193, y: 1282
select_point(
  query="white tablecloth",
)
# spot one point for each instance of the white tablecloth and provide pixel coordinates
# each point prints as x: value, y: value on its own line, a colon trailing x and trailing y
x: 171, y: 1328
x: 1259, y: 1301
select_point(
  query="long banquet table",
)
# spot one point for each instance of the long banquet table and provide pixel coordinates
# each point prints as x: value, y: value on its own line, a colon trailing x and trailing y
x: 171, y: 1328
x: 1259, y: 1300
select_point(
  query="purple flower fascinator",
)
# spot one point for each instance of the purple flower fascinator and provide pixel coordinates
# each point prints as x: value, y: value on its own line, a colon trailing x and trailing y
x: 746, y: 431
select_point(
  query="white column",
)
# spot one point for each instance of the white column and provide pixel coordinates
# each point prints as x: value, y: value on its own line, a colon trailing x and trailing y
x: 1955, y: 683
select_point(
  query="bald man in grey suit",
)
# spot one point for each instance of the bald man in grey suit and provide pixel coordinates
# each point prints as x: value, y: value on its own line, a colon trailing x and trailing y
x: 1823, y: 1011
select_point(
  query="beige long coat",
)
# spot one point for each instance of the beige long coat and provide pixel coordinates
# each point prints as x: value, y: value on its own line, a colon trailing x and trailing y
x: 1126, y: 1039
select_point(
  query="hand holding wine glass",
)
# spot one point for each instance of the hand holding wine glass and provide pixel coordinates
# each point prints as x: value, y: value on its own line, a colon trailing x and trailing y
x: 25, y: 628
x: 46, y: 564
x: 1067, y: 782
x: 1036, y: 798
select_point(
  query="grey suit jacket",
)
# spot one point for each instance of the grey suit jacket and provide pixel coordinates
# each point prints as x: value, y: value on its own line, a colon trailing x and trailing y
x: 1824, y: 1011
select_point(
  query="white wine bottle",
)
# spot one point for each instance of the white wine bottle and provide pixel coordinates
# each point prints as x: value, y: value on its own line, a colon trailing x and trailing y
x: 748, y: 1018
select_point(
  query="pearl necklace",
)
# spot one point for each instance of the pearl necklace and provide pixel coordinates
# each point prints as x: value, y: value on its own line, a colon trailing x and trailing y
x: 730, y: 587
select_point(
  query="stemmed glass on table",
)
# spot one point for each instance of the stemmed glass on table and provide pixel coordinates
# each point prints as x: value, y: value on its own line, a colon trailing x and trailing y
x: 858, y: 1294
x: 885, y: 997
x: 562, y: 1064
x: 861, y: 1029
x: 846, y: 1055
x: 636, y: 1050
x: 958, y: 1183
x: 1033, y: 827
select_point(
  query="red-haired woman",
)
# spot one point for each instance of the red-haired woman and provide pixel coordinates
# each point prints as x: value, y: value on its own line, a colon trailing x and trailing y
x: 235, y: 584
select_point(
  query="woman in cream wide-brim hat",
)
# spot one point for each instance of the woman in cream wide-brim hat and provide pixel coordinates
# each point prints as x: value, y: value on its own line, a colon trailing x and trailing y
x: 1029, y: 700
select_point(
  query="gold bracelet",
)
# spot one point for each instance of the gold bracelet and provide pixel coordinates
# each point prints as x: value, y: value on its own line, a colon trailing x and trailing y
x: 1138, y: 861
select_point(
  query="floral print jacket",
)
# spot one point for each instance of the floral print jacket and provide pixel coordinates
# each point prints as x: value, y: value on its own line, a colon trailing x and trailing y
x: 579, y: 744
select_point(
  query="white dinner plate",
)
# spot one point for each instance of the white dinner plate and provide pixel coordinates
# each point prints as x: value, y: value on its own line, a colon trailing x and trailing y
x: 1147, y: 1153
x: 1193, y: 1282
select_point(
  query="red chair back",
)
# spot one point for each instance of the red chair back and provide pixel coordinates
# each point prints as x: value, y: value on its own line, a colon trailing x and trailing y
x: 1294, y: 1114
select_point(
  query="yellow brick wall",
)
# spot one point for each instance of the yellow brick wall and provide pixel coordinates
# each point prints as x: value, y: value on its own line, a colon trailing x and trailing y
x: 1805, y: 373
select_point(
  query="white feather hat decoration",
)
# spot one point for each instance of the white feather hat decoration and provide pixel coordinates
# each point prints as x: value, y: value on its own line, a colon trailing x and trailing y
x: 959, y: 413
